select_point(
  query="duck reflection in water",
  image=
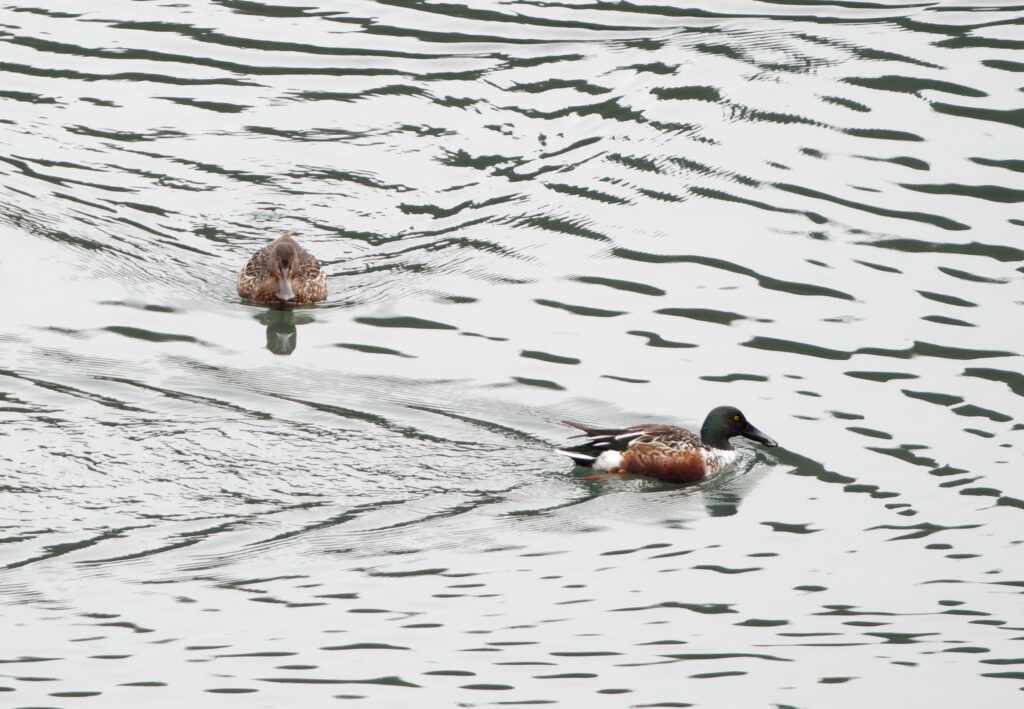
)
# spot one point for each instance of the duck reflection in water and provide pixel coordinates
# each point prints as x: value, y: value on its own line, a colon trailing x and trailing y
x: 281, y: 322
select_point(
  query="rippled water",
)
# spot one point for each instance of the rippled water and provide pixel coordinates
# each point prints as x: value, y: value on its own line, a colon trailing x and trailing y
x: 528, y: 211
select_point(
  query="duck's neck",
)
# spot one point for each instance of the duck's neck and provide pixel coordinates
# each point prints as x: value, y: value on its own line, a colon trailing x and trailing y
x: 710, y: 437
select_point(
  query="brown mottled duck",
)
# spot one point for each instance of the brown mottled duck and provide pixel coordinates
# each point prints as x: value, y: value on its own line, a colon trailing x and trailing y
x: 283, y: 272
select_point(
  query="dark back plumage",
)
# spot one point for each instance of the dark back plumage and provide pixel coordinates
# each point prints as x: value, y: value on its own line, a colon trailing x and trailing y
x: 599, y: 440
x: 261, y: 278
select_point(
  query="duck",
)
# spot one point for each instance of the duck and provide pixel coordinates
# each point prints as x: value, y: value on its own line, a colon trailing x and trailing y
x: 662, y: 451
x: 283, y: 272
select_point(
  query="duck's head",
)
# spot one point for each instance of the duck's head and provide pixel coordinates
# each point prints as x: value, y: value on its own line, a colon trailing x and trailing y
x: 282, y: 259
x: 725, y: 422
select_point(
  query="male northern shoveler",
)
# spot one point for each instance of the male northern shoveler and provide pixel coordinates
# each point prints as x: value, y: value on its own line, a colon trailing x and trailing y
x: 665, y: 452
x: 282, y: 271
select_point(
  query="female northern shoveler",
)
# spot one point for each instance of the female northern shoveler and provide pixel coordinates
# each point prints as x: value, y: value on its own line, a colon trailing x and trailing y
x: 665, y: 452
x: 282, y: 271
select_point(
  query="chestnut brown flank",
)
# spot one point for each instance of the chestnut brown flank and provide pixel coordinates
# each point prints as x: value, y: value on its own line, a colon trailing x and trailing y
x: 660, y: 461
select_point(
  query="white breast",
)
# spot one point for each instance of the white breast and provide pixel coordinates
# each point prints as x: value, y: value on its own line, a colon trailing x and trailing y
x: 716, y: 458
x: 608, y: 460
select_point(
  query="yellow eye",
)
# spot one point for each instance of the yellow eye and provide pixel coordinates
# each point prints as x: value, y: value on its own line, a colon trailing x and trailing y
x: 735, y: 418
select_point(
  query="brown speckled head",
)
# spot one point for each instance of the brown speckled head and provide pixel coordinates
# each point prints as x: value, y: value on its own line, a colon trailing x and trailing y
x: 282, y: 255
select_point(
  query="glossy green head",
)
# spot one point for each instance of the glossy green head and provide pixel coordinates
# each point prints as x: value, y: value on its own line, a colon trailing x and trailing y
x: 725, y: 422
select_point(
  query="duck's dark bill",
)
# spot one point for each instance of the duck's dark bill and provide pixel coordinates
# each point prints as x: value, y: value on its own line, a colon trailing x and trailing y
x: 756, y: 435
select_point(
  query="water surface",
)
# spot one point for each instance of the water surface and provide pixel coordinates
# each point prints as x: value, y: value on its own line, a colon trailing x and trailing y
x: 528, y: 212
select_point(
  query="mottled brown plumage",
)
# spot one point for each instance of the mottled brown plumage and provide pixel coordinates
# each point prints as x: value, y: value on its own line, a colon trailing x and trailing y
x: 664, y: 434
x: 282, y: 271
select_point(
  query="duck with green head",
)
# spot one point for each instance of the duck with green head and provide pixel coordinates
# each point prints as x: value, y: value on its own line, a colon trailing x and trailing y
x: 283, y: 272
x: 665, y: 452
